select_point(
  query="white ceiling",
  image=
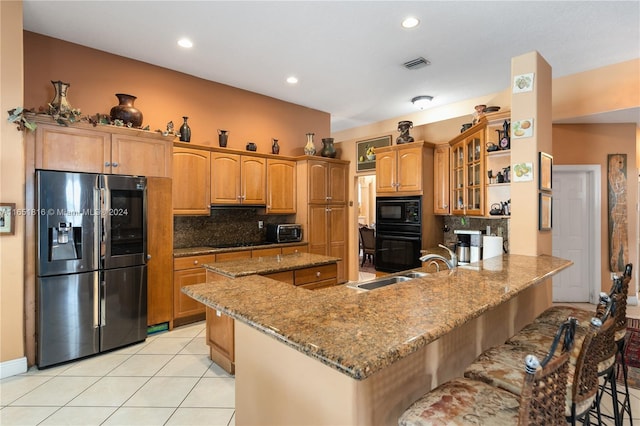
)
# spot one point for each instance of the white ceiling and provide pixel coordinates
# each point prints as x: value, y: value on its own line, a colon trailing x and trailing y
x: 348, y: 55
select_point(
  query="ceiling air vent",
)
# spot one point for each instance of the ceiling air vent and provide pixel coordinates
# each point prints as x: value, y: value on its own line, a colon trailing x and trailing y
x: 414, y: 64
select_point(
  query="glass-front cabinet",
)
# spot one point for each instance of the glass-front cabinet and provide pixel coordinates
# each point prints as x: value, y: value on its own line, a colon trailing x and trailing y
x: 467, y: 177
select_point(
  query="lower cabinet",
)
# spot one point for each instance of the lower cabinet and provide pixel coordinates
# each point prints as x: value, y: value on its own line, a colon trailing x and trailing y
x: 220, y: 327
x: 188, y: 271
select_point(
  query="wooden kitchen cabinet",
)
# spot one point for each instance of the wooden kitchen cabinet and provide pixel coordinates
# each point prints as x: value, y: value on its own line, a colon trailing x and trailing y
x: 400, y: 168
x: 238, y: 179
x: 160, y: 252
x: 441, y: 179
x: 220, y: 339
x: 316, y: 276
x: 281, y: 186
x: 468, y: 173
x: 102, y: 149
x: 188, y: 270
x: 191, y: 181
x: 322, y: 208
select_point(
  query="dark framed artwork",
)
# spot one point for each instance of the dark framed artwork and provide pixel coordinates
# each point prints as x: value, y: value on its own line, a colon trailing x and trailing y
x: 366, y: 152
x: 7, y: 223
x: 545, y: 171
x: 544, y: 211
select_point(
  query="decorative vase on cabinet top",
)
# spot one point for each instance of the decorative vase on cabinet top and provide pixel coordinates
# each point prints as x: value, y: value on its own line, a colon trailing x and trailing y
x: 328, y: 150
x: 185, y: 131
x: 403, y: 128
x: 59, y: 102
x: 275, y: 148
x: 126, y: 112
x: 309, y: 148
x: 223, y: 137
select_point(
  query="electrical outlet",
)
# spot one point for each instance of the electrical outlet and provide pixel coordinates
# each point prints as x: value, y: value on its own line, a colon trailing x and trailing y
x: 260, y: 224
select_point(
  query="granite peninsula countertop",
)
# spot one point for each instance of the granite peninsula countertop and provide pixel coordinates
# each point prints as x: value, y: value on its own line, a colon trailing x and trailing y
x: 268, y: 264
x: 361, y: 332
x: 196, y: 251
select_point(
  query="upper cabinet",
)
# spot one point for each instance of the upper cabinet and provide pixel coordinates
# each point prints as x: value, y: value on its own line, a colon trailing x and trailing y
x: 238, y: 179
x: 441, y: 179
x: 476, y: 159
x: 399, y: 169
x: 101, y: 149
x: 327, y: 182
x: 191, y: 181
x: 281, y: 186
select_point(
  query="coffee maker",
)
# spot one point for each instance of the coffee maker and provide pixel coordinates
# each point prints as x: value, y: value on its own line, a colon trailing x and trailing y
x: 468, y: 245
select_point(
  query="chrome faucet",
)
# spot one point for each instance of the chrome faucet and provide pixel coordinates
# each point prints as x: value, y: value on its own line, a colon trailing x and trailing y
x: 451, y: 263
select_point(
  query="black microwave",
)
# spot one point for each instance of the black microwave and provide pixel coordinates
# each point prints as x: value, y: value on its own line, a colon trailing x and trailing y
x: 398, y: 210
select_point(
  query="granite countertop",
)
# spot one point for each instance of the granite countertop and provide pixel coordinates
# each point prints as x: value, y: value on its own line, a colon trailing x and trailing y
x: 268, y: 264
x: 196, y: 251
x: 359, y: 333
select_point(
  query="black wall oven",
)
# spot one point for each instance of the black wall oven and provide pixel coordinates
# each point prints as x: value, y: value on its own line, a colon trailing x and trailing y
x: 398, y: 233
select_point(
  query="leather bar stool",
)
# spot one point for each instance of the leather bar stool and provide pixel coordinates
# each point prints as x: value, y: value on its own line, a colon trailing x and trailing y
x: 495, y: 366
x: 540, y: 399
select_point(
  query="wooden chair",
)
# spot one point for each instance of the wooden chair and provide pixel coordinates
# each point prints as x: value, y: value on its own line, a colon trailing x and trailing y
x: 368, y: 242
x: 540, y: 399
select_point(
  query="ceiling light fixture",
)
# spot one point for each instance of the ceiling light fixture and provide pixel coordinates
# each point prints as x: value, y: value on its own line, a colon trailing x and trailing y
x: 292, y: 80
x: 410, y: 22
x: 422, y: 101
x: 185, y: 42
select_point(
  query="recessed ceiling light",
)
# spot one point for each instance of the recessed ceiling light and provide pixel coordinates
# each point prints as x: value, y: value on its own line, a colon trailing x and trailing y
x: 410, y: 22
x: 292, y: 80
x: 185, y: 42
x: 422, y: 101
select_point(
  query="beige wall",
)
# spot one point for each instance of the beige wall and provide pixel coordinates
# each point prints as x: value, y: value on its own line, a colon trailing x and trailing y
x: 11, y: 184
x: 590, y: 144
x: 164, y: 95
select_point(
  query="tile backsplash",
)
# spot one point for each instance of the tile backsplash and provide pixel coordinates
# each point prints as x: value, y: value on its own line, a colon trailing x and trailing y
x: 224, y: 227
x: 451, y: 223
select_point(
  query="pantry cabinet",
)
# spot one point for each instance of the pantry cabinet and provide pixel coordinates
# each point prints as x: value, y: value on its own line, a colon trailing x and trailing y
x: 322, y: 208
x: 281, y: 186
x: 400, y: 168
x: 101, y: 149
x: 191, y: 181
x: 238, y: 179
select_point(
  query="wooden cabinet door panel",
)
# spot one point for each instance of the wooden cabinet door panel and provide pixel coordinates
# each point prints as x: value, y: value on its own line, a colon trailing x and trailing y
x: 386, y: 172
x: 318, y: 178
x: 337, y: 183
x: 132, y: 155
x: 338, y: 238
x: 313, y: 274
x: 190, y: 262
x: 295, y: 249
x: 183, y: 305
x: 409, y: 169
x: 160, y: 250
x: 281, y: 187
x: 74, y: 150
x: 253, y: 180
x: 221, y: 340
x: 441, y: 180
x: 285, y: 277
x: 317, y: 232
x: 320, y: 284
x: 225, y: 178
x: 191, y: 181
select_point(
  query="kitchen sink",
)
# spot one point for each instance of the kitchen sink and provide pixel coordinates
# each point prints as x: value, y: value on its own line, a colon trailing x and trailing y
x: 379, y: 282
x: 416, y: 274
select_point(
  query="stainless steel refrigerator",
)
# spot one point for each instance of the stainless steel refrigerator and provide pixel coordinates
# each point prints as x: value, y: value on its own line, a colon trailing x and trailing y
x: 91, y: 264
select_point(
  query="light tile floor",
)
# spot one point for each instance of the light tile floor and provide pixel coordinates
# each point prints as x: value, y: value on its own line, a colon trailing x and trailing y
x: 167, y: 380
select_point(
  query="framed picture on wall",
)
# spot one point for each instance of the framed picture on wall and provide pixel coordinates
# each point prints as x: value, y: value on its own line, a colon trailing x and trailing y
x: 544, y: 214
x: 545, y: 167
x: 366, y: 152
x: 7, y: 224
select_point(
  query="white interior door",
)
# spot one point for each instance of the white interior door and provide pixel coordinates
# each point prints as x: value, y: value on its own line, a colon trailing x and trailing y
x: 574, y: 233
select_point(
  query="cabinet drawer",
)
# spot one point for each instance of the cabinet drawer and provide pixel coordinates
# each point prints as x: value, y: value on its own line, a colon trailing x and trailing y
x: 313, y: 274
x: 233, y: 255
x: 320, y: 284
x: 295, y: 249
x: 273, y: 251
x: 285, y: 277
x: 192, y: 261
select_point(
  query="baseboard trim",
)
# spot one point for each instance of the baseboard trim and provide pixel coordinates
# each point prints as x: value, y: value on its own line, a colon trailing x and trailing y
x: 13, y: 367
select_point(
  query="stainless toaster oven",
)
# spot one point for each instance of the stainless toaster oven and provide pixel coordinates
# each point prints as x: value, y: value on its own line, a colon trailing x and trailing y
x: 284, y: 232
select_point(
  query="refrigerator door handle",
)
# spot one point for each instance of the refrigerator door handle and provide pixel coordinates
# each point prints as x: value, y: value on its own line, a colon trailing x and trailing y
x: 103, y: 302
x: 96, y: 302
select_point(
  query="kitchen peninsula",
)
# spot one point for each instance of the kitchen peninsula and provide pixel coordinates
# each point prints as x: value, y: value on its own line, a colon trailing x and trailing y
x: 340, y: 356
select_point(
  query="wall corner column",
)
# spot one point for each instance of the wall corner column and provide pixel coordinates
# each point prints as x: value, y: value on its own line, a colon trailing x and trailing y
x: 525, y: 237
